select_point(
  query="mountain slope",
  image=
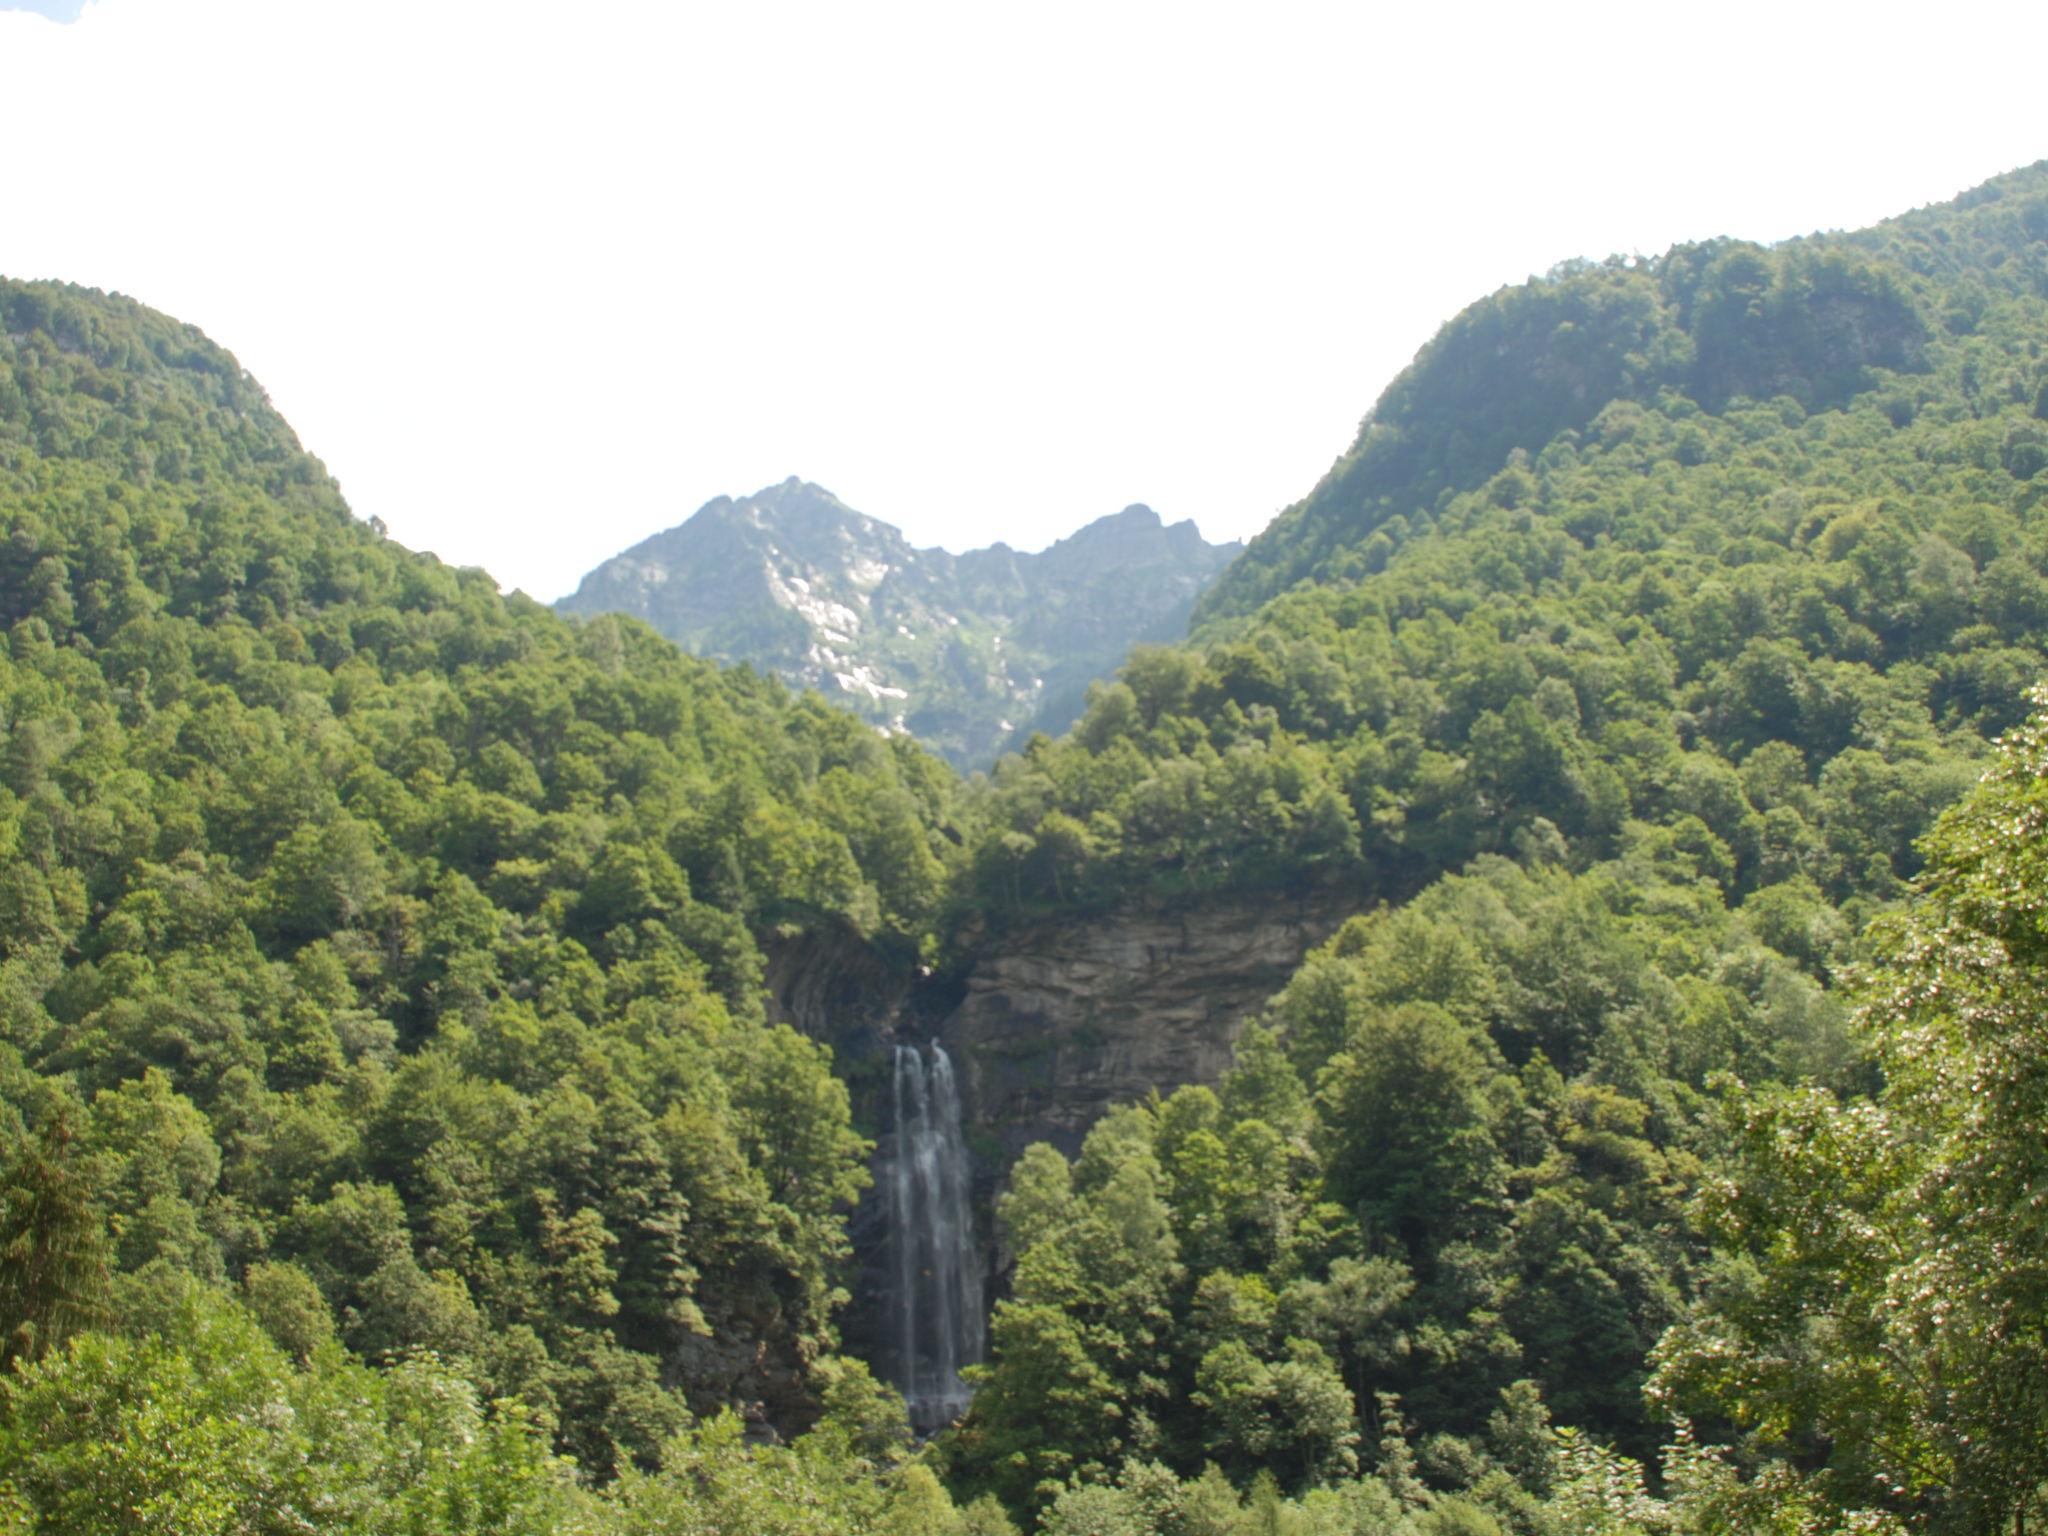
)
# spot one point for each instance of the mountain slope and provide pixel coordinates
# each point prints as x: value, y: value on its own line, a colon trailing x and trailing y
x: 969, y: 653
x: 1817, y: 321
x: 1612, y: 679
x: 1636, y: 520
x: 383, y: 945
x: 378, y: 960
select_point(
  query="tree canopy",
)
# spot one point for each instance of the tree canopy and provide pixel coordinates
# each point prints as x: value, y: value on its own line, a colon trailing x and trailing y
x: 391, y: 941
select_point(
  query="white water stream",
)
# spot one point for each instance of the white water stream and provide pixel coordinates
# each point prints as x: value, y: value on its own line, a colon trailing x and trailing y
x: 939, y: 1327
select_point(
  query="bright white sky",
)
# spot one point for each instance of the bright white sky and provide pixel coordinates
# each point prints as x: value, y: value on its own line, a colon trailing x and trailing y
x: 537, y: 281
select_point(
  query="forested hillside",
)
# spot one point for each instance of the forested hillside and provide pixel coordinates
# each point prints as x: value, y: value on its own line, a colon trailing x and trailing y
x: 394, y: 1137
x: 1619, y: 670
x: 378, y: 951
x: 1591, y: 584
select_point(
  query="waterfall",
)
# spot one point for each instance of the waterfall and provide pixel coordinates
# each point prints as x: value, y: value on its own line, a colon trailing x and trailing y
x: 939, y: 1323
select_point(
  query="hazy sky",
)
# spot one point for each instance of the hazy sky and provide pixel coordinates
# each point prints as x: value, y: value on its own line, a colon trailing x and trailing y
x: 537, y: 281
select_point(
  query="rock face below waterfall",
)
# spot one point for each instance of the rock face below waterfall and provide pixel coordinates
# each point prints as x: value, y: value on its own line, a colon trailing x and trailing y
x: 1061, y: 1020
x: 1052, y: 1024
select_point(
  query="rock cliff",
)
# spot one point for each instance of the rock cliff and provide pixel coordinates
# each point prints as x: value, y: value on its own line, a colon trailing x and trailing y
x: 1051, y: 1024
x: 1055, y: 1021
x: 1060, y: 1020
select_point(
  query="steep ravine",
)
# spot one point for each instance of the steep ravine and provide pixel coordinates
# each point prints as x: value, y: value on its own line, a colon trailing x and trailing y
x: 1051, y: 1023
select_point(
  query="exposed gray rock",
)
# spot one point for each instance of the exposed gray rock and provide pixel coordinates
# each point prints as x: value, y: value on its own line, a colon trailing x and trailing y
x: 971, y: 653
x: 1051, y: 1024
x: 1062, y: 1020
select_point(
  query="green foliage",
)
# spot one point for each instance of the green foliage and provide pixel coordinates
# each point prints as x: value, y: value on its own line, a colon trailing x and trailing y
x: 198, y: 1422
x: 53, y: 1259
x: 388, y: 941
x: 1398, y: 1194
x: 203, y: 1425
x: 1722, y: 556
x: 1901, y: 311
x: 1623, y: 666
x: 1881, y: 1278
x: 390, y: 1112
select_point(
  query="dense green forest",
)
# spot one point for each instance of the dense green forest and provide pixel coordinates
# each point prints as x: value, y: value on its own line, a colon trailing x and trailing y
x: 378, y: 950
x: 395, y: 1138
x: 1621, y: 668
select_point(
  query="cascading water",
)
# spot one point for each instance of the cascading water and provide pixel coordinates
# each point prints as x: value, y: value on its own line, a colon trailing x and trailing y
x: 939, y: 1325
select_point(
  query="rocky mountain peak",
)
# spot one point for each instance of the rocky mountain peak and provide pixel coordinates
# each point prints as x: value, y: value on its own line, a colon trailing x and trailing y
x: 969, y: 652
